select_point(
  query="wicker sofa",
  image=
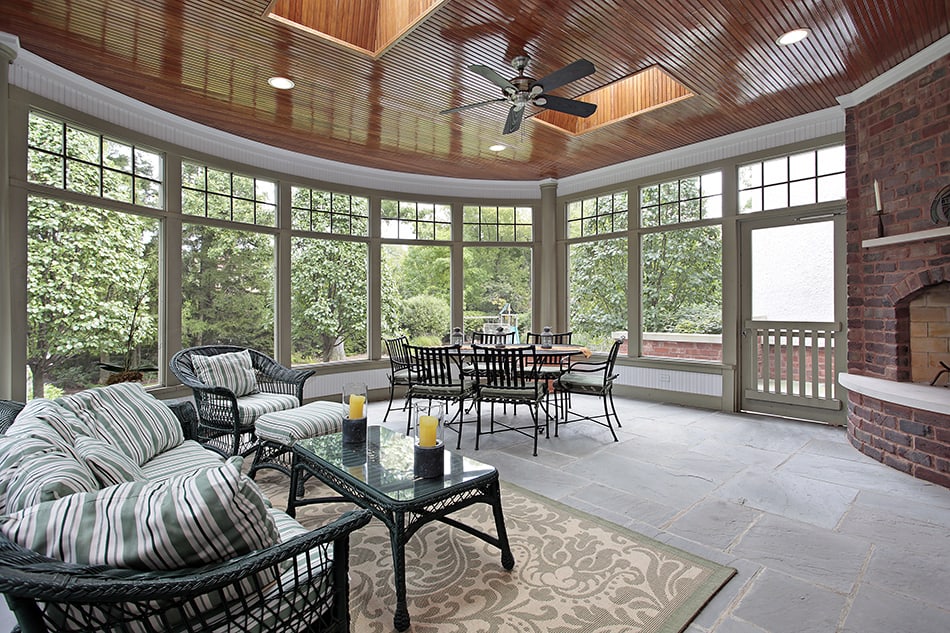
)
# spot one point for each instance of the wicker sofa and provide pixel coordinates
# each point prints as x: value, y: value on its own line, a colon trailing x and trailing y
x: 230, y: 563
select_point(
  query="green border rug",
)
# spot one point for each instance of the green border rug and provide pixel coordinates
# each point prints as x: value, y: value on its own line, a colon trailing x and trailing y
x: 574, y: 573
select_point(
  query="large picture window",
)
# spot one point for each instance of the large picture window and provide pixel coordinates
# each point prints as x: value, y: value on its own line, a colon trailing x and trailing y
x: 416, y: 281
x: 597, y: 292
x: 497, y: 291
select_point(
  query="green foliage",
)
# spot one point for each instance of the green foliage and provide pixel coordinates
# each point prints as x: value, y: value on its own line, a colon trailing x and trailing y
x: 424, y: 315
x: 598, y: 290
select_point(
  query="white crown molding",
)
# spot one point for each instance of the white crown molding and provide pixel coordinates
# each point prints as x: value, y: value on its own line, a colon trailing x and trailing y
x: 903, y: 70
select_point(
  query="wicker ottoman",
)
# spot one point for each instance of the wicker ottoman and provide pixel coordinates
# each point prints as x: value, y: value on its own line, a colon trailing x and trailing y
x: 276, y: 432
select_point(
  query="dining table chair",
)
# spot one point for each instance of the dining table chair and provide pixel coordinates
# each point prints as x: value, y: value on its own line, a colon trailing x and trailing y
x: 589, y: 377
x: 554, y: 366
x: 510, y: 377
x: 399, y: 369
x: 437, y: 375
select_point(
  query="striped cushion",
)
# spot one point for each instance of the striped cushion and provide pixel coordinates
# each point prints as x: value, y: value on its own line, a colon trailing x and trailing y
x: 41, y: 416
x: 233, y: 371
x: 32, y: 471
x: 250, y: 408
x: 209, y: 516
x: 185, y: 459
x: 127, y: 417
x: 108, y: 465
x: 310, y: 420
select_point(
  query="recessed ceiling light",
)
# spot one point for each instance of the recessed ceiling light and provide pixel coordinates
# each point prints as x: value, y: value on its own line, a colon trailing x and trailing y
x: 498, y: 147
x: 281, y: 83
x: 796, y: 35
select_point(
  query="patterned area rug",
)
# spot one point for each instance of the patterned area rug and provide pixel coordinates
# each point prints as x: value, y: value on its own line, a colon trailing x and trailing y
x: 574, y: 573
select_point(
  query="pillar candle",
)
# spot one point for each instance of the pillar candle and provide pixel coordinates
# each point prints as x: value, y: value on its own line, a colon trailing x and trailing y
x: 356, y: 406
x: 427, y: 430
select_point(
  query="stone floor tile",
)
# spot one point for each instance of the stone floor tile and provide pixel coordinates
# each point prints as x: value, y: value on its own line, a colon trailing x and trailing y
x: 715, y: 522
x: 878, y: 611
x: 781, y: 604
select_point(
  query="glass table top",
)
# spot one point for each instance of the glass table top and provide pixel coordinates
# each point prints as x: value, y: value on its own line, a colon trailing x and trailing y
x: 384, y: 464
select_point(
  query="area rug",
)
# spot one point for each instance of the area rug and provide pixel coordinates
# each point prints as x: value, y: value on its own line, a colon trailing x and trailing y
x: 574, y: 573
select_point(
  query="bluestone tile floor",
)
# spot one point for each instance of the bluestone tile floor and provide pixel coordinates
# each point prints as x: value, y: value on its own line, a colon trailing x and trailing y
x: 825, y: 539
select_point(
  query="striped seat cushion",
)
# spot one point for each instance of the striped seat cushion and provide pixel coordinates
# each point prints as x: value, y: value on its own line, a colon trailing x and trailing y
x: 231, y: 370
x: 252, y: 407
x: 209, y: 516
x: 310, y: 420
x: 127, y: 417
x: 186, y: 458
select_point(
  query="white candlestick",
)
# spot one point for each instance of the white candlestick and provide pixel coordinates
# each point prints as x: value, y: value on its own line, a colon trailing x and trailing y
x: 877, y: 196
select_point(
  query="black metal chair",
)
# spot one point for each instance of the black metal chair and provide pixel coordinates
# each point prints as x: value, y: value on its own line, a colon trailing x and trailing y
x: 493, y: 338
x: 222, y: 423
x: 437, y: 375
x: 551, y: 371
x: 590, y: 378
x: 399, y: 374
x: 510, y: 377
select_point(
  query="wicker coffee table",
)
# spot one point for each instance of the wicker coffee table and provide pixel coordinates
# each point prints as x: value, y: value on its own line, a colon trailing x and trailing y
x: 378, y: 476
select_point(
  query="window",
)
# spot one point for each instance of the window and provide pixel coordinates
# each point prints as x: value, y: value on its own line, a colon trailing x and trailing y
x: 223, y: 195
x: 597, y: 292
x: 329, y: 289
x: 684, y: 200
x: 67, y: 157
x: 227, y: 289
x: 681, y: 293
x: 416, y: 220
x: 328, y: 212
x: 788, y: 181
x: 416, y: 280
x: 496, y: 224
x: 497, y: 289
x: 92, y: 279
x: 597, y: 216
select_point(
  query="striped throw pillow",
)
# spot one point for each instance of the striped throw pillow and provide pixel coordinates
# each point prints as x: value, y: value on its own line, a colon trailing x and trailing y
x: 232, y: 370
x: 33, y: 470
x: 108, y: 465
x: 209, y: 516
x: 126, y: 416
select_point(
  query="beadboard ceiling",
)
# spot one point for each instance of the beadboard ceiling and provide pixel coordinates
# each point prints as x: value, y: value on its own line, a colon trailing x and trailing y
x: 369, y: 90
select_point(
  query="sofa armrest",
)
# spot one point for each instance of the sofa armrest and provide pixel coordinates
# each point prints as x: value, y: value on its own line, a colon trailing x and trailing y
x: 313, y: 588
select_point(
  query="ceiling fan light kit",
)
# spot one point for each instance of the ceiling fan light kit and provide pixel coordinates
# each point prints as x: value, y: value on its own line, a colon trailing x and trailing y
x: 522, y: 90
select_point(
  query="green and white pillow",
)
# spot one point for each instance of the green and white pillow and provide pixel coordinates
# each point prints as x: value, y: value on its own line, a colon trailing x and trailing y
x: 127, y: 417
x: 209, y: 516
x: 233, y: 371
x: 109, y: 466
x: 33, y: 470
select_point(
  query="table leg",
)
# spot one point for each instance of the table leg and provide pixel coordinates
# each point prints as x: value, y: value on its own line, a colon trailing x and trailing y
x: 292, y: 493
x: 398, y: 542
x: 507, y: 558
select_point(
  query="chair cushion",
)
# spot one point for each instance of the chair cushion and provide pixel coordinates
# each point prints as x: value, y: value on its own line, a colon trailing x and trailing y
x: 593, y: 383
x: 231, y: 370
x: 251, y: 407
x: 185, y: 459
x: 110, y: 466
x: 210, y: 516
x: 310, y: 420
x: 127, y: 417
x: 530, y: 393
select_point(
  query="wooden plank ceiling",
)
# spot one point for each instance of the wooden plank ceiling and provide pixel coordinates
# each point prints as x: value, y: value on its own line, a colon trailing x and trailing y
x: 209, y: 60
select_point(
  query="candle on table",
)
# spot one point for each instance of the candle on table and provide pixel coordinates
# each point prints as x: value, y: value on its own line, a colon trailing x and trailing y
x: 427, y: 430
x: 356, y: 406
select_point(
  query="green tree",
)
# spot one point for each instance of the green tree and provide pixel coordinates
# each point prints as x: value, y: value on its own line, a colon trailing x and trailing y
x: 424, y: 316
x: 598, y: 290
x: 227, y: 287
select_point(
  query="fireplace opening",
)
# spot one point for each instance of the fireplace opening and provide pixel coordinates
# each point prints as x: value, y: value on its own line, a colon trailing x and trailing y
x: 929, y: 334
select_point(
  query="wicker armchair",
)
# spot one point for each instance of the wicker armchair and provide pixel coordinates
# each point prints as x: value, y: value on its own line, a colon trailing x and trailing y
x: 220, y: 422
x: 49, y: 596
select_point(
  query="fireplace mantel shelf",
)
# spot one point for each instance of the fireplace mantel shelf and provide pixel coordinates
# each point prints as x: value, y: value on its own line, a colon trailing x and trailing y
x: 908, y: 394
x: 906, y: 237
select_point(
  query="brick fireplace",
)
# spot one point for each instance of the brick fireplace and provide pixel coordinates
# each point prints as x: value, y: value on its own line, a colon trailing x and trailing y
x: 900, y: 138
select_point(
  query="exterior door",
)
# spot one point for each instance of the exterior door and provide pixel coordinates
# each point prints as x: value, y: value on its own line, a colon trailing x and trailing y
x: 793, y: 313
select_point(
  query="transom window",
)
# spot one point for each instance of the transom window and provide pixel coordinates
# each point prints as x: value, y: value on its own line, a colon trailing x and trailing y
x: 684, y: 200
x: 329, y: 212
x: 597, y: 216
x: 496, y: 224
x: 70, y: 158
x: 406, y: 220
x: 224, y: 195
x: 789, y: 181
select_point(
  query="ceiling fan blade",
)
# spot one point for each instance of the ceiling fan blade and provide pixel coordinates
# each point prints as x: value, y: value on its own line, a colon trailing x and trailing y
x: 568, y: 106
x: 472, y: 105
x: 571, y: 72
x: 515, y: 115
x: 492, y: 76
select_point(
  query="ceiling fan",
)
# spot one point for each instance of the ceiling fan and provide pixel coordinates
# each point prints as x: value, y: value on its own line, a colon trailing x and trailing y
x: 522, y: 90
